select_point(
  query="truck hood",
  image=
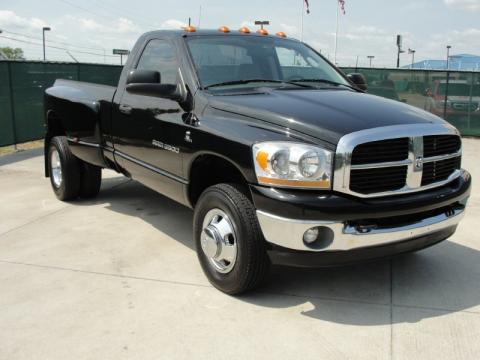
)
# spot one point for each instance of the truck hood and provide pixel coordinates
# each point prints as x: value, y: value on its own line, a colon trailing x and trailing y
x: 325, y: 114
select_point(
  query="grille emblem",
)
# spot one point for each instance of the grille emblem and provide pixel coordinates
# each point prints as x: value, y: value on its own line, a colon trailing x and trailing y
x: 419, y: 162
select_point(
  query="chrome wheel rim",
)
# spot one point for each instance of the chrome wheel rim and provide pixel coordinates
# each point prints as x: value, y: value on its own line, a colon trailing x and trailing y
x: 56, y: 168
x: 219, y: 241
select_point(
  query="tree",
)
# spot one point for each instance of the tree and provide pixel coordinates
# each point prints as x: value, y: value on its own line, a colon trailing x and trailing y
x: 12, y: 53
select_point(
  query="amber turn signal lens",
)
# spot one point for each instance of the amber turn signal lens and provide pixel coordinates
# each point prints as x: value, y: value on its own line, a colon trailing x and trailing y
x: 262, y: 32
x: 281, y: 34
x: 190, y: 29
x: 224, y: 29
x: 244, y: 30
x: 262, y: 159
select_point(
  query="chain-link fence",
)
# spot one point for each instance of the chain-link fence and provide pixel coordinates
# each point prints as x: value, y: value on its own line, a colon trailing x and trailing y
x: 22, y: 84
x: 454, y: 96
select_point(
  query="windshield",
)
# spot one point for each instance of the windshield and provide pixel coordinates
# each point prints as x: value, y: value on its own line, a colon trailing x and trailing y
x: 225, y: 60
x: 459, y: 89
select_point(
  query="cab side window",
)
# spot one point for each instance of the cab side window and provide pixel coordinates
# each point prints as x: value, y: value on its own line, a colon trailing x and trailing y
x: 160, y: 56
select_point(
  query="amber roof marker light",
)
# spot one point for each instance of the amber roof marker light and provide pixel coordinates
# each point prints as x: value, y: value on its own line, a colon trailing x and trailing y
x: 281, y: 34
x: 244, y: 30
x: 262, y: 32
x: 190, y: 29
x: 224, y: 29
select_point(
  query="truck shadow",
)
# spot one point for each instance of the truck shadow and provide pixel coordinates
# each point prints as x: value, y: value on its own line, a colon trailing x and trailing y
x: 434, y: 282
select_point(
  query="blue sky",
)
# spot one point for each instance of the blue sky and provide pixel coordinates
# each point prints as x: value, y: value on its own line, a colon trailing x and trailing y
x: 368, y: 28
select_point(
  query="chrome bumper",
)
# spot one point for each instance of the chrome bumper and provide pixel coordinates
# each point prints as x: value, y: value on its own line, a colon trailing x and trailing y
x: 288, y: 233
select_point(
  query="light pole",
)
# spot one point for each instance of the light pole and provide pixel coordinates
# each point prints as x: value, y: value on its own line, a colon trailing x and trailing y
x: 46, y: 28
x: 448, y: 56
x: 370, y: 57
x: 412, y: 52
x: 399, y: 47
x: 262, y: 23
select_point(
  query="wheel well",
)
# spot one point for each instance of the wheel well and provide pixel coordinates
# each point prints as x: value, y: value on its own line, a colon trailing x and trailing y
x: 209, y: 170
x: 54, y: 128
x: 54, y: 125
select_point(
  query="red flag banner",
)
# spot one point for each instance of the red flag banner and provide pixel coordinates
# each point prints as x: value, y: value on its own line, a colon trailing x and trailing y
x: 308, y: 6
x: 342, y: 5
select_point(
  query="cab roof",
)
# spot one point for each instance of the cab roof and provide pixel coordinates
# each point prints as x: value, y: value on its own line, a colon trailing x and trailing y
x: 206, y: 32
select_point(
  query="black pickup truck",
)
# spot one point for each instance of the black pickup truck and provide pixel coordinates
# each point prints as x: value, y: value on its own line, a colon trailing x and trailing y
x: 283, y: 158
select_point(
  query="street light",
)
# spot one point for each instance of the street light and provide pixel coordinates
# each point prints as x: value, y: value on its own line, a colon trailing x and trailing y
x: 399, y: 47
x: 412, y: 52
x: 448, y: 56
x: 46, y: 28
x: 371, y: 57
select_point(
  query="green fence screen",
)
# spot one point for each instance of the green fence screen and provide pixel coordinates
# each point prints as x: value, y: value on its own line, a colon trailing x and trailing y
x: 455, y: 96
x: 22, y: 84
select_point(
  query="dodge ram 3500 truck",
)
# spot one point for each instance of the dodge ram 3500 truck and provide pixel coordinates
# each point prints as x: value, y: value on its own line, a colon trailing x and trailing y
x: 283, y: 158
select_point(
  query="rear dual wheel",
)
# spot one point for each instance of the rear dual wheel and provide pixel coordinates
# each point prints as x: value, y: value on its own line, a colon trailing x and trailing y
x: 71, y: 177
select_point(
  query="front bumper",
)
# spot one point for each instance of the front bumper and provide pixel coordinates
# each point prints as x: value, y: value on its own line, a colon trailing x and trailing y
x: 350, y: 225
x: 342, y: 236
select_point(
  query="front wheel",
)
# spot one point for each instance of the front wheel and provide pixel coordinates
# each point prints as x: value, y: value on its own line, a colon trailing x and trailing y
x: 228, y: 239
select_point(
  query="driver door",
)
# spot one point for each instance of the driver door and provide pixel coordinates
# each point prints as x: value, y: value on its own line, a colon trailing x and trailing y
x: 147, y: 129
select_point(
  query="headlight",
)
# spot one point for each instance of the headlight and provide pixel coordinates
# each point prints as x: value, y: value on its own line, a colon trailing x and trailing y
x: 288, y: 164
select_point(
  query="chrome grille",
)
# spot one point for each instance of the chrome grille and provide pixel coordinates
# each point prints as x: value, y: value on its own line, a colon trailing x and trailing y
x: 368, y: 181
x: 434, y: 145
x: 465, y: 106
x: 397, y: 159
x: 439, y: 170
x: 380, y: 151
x: 375, y: 179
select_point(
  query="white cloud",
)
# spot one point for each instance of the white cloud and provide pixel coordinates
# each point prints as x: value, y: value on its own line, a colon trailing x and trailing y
x: 172, y: 24
x: 463, y: 4
x: 290, y: 30
x: 84, y: 34
x: 120, y: 26
x: 8, y: 19
x: 249, y: 24
x: 126, y: 26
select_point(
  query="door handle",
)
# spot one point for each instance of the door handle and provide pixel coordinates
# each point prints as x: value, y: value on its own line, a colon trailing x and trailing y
x: 125, y: 109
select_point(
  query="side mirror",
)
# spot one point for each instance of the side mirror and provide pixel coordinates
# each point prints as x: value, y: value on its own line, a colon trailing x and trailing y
x: 358, y: 80
x: 147, y: 83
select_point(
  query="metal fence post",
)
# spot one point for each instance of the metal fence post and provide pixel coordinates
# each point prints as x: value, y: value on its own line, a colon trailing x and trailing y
x: 12, y: 104
x: 446, y: 96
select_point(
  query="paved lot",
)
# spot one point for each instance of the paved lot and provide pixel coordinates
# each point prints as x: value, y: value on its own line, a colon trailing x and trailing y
x: 117, y: 278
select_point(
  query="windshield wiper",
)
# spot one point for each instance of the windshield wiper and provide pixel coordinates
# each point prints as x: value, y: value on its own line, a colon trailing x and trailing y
x: 325, y: 81
x: 240, y: 82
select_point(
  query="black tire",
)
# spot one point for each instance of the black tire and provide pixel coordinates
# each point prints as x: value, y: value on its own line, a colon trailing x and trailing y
x: 252, y: 262
x: 91, y: 179
x: 69, y: 188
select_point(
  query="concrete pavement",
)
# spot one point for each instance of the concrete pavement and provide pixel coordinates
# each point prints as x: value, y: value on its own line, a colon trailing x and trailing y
x: 118, y: 278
